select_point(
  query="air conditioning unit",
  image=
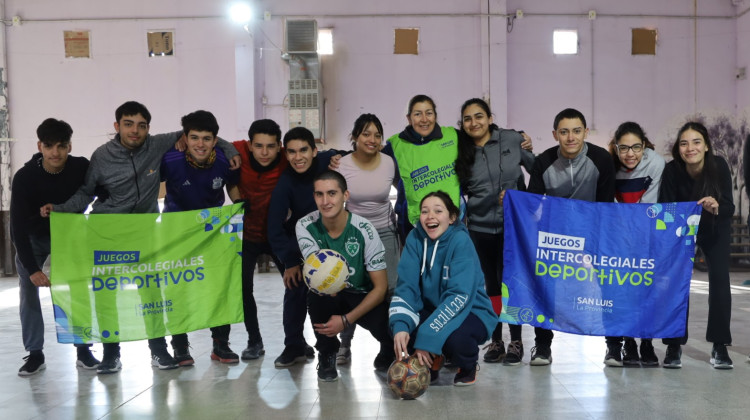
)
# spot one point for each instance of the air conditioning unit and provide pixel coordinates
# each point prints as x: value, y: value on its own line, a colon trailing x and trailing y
x: 305, y: 90
x: 305, y: 105
x: 301, y: 37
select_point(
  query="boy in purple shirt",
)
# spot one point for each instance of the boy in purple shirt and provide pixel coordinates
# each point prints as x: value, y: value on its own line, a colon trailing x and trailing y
x: 196, y: 179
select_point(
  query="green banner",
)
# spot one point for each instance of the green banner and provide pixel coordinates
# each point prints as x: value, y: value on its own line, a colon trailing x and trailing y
x: 126, y: 277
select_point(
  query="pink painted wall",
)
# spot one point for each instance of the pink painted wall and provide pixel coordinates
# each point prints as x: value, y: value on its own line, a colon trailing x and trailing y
x: 743, y: 59
x: 606, y: 82
x: 212, y: 69
x: 221, y: 68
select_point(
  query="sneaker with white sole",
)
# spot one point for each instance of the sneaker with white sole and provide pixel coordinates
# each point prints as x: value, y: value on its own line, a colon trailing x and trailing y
x: 613, y: 358
x: 163, y: 360
x: 34, y: 364
x: 109, y: 365
x: 541, y: 356
x: 720, y: 357
x: 86, y: 360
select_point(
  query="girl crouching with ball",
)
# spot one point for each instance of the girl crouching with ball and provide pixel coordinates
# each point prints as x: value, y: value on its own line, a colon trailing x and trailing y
x: 439, y: 305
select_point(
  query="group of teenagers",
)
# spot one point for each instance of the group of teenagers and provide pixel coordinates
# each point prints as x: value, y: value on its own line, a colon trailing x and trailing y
x: 425, y: 276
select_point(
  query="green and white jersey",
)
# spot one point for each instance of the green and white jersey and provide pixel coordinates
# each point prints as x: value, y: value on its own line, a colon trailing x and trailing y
x: 359, y: 244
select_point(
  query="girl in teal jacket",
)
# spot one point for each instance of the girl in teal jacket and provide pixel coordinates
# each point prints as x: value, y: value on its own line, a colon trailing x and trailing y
x: 439, y: 305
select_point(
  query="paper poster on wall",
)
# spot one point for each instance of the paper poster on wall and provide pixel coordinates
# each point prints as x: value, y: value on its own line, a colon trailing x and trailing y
x: 160, y: 43
x: 77, y: 44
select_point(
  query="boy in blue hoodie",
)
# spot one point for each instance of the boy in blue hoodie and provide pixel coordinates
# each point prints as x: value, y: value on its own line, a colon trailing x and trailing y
x: 439, y: 305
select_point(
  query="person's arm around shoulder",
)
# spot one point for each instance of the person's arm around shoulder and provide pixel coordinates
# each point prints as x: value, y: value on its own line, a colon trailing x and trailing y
x: 78, y: 202
x: 230, y: 152
x: 536, y: 177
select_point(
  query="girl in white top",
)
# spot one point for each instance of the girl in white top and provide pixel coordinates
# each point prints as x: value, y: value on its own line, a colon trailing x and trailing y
x: 370, y: 175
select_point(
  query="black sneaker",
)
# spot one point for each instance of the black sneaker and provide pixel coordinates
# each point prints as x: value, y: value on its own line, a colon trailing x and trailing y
x: 182, y: 355
x: 253, y: 351
x: 109, y: 365
x: 383, y: 361
x: 163, y: 360
x: 515, y: 353
x: 34, y: 364
x: 85, y: 359
x: 672, y: 359
x: 290, y: 356
x: 630, y: 353
x: 495, y: 352
x: 309, y: 351
x: 720, y: 357
x: 466, y: 377
x: 327, y: 367
x: 648, y: 356
x: 613, y: 357
x: 223, y: 353
x: 541, y: 356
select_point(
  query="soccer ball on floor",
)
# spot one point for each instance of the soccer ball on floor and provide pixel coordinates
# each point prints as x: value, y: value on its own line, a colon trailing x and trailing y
x: 408, y: 378
x: 326, y: 272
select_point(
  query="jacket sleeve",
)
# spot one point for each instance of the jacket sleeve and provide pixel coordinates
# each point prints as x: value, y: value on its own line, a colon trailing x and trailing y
x: 456, y: 299
x: 163, y: 142
x: 305, y: 240
x: 406, y: 304
x: 78, y: 202
x: 20, y: 209
x: 228, y: 148
x: 283, y: 244
x: 527, y: 160
x: 536, y: 178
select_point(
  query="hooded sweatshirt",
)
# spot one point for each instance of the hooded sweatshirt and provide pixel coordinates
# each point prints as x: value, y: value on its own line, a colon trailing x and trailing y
x: 441, y: 280
x: 640, y: 184
x: 125, y: 180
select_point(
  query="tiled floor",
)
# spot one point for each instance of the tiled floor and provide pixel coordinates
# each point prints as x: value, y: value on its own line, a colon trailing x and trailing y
x: 575, y: 386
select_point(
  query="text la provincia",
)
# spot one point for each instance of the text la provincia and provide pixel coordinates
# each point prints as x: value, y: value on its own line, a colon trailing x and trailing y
x: 140, y: 275
x: 562, y: 257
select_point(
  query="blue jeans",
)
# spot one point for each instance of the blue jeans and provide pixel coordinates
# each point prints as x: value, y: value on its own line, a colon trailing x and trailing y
x: 30, y: 308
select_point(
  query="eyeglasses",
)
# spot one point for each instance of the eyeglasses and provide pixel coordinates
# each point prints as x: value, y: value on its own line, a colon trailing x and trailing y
x: 636, y: 148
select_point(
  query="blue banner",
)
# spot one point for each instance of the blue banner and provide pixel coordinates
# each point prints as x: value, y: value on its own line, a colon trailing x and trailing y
x: 606, y: 269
